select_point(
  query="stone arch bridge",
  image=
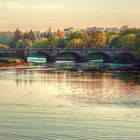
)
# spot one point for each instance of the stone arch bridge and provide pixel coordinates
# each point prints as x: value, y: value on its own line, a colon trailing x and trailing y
x: 79, y: 54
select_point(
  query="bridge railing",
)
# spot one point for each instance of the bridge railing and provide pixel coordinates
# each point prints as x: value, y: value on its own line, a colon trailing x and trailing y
x: 43, y: 49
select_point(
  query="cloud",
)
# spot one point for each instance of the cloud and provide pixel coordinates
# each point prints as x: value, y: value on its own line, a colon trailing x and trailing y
x: 10, y: 5
x: 48, y: 6
x: 20, y: 6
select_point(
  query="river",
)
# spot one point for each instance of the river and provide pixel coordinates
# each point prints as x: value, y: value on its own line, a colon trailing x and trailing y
x: 46, y: 103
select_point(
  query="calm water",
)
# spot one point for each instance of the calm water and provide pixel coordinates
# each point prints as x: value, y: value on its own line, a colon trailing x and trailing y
x: 38, y: 103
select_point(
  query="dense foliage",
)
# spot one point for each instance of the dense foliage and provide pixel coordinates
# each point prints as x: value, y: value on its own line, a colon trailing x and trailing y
x: 128, y: 38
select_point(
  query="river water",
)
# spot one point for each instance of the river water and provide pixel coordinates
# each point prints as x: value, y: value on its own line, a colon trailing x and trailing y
x: 40, y: 103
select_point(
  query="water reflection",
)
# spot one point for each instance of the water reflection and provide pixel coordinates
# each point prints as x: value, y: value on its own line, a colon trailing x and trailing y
x: 129, y: 77
x: 38, y: 103
x: 94, y: 64
x: 86, y: 87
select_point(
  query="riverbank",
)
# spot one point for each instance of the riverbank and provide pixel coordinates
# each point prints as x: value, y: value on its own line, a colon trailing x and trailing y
x: 101, y: 67
x: 12, y: 62
x: 132, y: 67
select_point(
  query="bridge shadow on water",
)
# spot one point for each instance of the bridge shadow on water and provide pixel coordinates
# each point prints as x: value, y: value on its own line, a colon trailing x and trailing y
x: 132, y: 78
x: 96, y: 64
x: 94, y: 61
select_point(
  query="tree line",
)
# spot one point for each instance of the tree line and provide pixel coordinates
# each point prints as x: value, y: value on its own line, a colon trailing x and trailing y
x: 127, y: 38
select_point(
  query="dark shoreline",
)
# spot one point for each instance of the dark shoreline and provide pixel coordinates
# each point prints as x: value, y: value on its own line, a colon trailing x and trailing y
x: 17, y: 63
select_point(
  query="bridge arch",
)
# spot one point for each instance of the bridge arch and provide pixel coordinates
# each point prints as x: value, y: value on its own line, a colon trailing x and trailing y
x: 99, y: 56
x: 125, y: 57
x: 69, y: 56
x: 46, y: 56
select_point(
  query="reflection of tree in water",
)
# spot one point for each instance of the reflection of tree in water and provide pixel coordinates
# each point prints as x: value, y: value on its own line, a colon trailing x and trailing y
x: 24, y: 77
x: 100, y: 88
x: 130, y: 78
x: 84, y: 87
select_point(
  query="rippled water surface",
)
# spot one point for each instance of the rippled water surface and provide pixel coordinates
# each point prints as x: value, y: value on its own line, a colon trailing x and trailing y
x: 38, y: 104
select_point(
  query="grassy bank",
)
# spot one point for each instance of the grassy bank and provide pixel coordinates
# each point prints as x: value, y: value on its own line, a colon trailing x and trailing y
x: 11, y: 62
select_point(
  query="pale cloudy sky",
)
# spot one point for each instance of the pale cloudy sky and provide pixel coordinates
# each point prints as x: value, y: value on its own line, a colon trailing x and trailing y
x: 42, y: 14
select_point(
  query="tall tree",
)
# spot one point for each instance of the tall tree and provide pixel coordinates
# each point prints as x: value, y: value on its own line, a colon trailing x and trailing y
x: 17, y: 36
x: 128, y: 40
x: 52, y: 41
x: 62, y: 43
x: 137, y: 44
x: 40, y: 43
x: 98, y: 39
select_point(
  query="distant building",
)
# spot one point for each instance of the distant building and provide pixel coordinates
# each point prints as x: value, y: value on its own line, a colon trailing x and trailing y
x: 67, y: 31
x: 99, y: 29
x: 112, y: 29
x: 95, y: 29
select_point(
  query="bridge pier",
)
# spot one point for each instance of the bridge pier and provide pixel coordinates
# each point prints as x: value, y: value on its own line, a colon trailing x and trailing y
x: 81, y: 60
x: 50, y: 59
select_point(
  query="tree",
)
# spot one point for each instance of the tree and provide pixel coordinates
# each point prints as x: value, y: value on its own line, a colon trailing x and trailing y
x: 110, y: 37
x: 128, y: 40
x: 75, y: 35
x: 72, y: 43
x: 62, y: 43
x: 60, y: 34
x: 40, y: 43
x: 129, y: 31
x: 17, y: 36
x: 24, y: 43
x: 31, y: 35
x: 98, y: 39
x: 52, y: 41
x: 2, y: 46
x: 137, y: 44
x: 6, y: 38
x: 115, y: 42
x: 80, y: 38
x: 25, y: 35
x: 75, y: 43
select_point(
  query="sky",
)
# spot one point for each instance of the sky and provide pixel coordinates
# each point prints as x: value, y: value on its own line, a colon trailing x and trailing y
x: 59, y: 14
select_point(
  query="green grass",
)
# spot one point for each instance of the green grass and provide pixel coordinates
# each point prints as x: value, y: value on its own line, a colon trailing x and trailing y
x: 9, y: 60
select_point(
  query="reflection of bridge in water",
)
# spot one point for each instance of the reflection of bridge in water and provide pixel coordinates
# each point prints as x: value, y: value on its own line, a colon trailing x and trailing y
x: 124, y: 55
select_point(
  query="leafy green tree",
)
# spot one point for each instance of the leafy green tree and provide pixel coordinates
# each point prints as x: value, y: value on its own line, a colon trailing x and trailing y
x: 6, y: 38
x: 25, y: 35
x: 52, y: 41
x: 76, y: 35
x: 129, y: 31
x: 75, y: 43
x: 81, y: 39
x: 40, y: 43
x: 72, y: 43
x: 110, y: 36
x: 24, y: 44
x: 62, y: 43
x: 127, y: 40
x: 115, y: 42
x: 137, y: 44
x: 17, y: 36
x: 32, y: 35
